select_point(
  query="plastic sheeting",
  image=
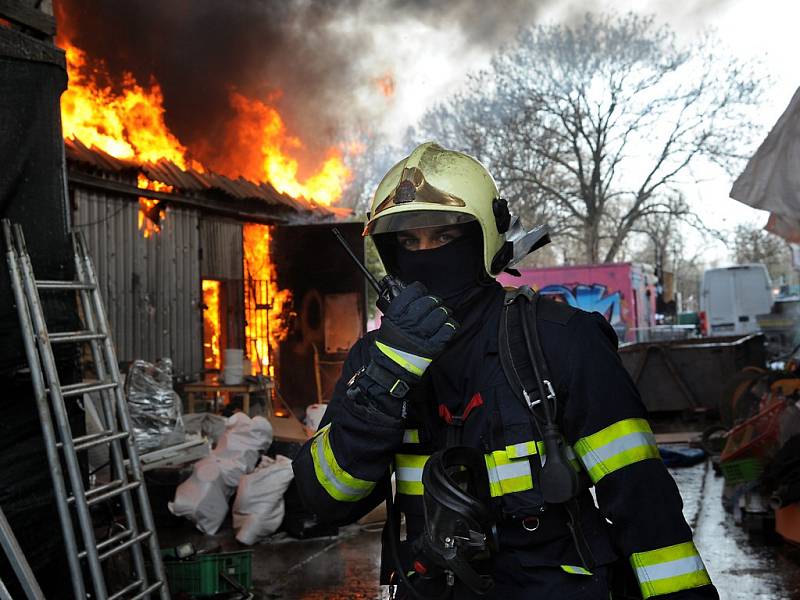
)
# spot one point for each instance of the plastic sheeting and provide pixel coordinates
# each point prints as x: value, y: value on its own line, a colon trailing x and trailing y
x: 204, y: 497
x: 771, y: 179
x: 259, y: 508
x: 154, y: 407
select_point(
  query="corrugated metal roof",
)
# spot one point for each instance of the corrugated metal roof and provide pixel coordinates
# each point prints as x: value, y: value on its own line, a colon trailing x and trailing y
x: 190, y: 181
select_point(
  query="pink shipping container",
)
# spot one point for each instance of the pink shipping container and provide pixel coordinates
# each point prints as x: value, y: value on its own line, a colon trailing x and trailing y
x: 624, y: 293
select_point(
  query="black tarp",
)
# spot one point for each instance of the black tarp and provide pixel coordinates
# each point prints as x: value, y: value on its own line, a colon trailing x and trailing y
x: 32, y: 193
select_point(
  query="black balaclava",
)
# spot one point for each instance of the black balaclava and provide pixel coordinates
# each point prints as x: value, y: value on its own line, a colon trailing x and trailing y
x: 455, y: 273
x: 451, y: 271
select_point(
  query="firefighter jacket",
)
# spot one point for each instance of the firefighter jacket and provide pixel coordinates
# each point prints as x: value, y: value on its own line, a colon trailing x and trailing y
x: 341, y: 472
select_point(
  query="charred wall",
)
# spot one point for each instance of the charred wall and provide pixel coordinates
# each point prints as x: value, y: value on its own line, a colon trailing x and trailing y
x: 151, y: 286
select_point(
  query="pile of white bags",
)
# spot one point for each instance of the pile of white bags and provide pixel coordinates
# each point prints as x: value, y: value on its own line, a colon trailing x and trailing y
x: 204, y: 497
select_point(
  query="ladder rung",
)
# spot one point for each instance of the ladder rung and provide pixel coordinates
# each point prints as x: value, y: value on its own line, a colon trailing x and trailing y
x: 117, y: 549
x: 46, y: 284
x: 78, y: 441
x: 74, y: 336
x: 85, y: 438
x: 126, y: 589
x: 99, y: 489
x: 101, y: 440
x: 112, y: 494
x: 122, y: 535
x: 149, y: 590
x: 78, y: 389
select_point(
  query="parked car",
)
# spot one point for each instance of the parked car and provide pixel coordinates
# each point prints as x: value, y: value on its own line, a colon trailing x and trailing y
x: 732, y: 298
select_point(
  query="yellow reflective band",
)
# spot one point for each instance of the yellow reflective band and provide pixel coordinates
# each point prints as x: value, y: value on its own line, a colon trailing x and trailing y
x: 410, y: 362
x: 507, y: 475
x: 575, y: 570
x: 522, y: 449
x: 334, y: 479
x: 408, y: 473
x: 668, y: 570
x: 617, y: 446
x: 411, y: 436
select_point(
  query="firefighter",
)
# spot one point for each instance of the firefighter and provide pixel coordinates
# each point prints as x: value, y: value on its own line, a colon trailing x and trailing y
x: 430, y: 378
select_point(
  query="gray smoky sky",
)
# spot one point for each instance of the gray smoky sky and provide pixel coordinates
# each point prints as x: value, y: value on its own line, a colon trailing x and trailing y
x: 324, y: 56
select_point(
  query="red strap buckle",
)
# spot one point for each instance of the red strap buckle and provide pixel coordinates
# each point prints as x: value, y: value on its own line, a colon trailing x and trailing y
x: 449, y: 418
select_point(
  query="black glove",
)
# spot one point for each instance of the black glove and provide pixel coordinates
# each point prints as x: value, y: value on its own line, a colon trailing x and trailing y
x: 413, y: 332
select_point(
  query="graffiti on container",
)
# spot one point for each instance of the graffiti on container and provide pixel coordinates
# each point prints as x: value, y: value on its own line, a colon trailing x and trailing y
x: 590, y: 298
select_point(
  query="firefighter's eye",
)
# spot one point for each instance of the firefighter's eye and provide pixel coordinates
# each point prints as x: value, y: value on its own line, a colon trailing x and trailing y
x: 408, y: 242
x: 448, y: 235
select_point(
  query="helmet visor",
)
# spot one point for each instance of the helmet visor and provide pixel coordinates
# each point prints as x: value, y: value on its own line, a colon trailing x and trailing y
x: 417, y: 219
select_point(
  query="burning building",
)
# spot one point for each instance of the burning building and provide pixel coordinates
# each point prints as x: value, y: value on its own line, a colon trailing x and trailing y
x: 209, y: 263
x: 193, y: 260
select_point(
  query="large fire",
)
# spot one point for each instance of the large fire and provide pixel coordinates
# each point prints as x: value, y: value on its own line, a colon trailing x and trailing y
x: 127, y: 120
x: 257, y: 146
x: 266, y: 306
x: 211, y: 324
x: 128, y: 123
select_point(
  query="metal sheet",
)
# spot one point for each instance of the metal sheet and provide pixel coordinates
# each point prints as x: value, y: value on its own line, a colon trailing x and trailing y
x: 221, y: 243
x: 151, y: 285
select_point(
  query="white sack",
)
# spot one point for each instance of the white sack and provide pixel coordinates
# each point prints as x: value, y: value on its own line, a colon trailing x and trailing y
x: 259, y: 508
x: 244, y: 433
x: 203, y: 498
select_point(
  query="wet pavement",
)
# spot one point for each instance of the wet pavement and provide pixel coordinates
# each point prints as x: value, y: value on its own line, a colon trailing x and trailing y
x: 345, y: 567
x: 742, y: 566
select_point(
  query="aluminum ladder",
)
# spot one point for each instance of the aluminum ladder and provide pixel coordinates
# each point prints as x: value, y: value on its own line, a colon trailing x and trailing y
x: 50, y: 394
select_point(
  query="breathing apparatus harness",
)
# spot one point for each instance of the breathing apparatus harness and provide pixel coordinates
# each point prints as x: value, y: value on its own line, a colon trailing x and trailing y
x: 526, y: 369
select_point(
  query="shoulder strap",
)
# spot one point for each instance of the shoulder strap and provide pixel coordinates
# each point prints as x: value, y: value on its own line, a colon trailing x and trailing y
x: 514, y: 357
x: 527, y: 371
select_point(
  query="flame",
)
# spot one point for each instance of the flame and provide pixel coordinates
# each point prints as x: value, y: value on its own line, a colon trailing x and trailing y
x: 386, y: 85
x: 259, y: 147
x: 151, y: 212
x: 267, y: 307
x: 211, y: 324
x: 127, y: 124
x: 127, y: 120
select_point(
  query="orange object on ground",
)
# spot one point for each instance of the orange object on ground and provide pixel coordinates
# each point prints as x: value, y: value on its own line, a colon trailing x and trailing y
x: 787, y: 522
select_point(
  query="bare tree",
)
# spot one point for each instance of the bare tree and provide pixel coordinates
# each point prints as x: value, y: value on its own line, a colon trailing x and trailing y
x: 753, y: 244
x: 591, y: 125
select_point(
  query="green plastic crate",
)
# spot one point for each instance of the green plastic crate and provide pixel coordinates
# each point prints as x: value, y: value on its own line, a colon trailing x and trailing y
x: 742, y: 470
x: 199, y: 576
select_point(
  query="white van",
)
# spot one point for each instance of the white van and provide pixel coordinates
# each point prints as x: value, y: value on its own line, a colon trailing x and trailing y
x: 732, y: 297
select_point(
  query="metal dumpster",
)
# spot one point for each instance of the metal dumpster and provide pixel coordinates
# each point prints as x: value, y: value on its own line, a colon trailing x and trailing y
x: 690, y: 375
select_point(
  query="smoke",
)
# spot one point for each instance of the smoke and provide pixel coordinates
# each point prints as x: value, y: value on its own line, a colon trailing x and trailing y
x: 320, y: 62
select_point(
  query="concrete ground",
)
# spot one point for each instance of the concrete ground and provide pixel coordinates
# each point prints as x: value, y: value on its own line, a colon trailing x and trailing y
x: 346, y: 567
